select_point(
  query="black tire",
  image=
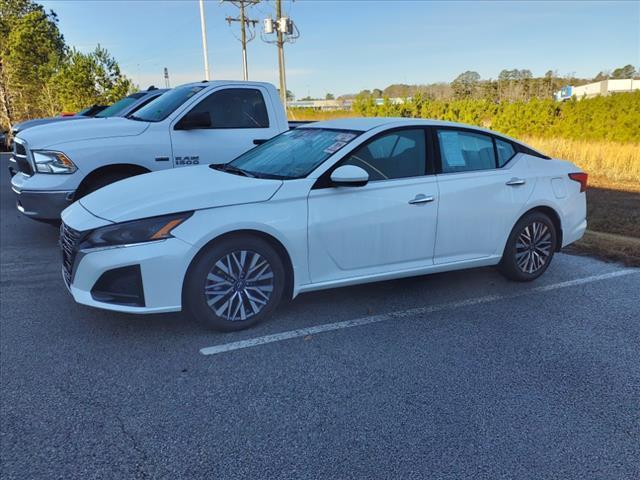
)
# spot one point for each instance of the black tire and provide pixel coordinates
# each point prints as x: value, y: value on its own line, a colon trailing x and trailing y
x: 195, y: 299
x: 102, y: 181
x: 522, y: 262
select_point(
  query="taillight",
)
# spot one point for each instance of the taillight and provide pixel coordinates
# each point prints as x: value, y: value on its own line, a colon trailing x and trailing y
x: 581, y: 178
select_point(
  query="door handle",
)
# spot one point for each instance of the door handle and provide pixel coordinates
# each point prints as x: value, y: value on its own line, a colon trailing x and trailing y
x: 514, y: 182
x: 421, y: 198
x: 259, y: 141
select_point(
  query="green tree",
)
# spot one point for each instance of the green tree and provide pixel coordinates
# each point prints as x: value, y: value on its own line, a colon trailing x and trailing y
x: 628, y: 71
x: 89, y: 78
x: 329, y: 96
x: 465, y: 84
x: 31, y: 49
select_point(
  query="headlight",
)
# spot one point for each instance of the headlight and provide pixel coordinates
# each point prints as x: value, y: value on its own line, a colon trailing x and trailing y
x: 52, y: 162
x: 137, y: 231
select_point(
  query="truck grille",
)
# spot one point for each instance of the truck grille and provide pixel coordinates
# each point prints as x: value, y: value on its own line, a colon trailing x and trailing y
x: 20, y: 156
x: 69, y: 240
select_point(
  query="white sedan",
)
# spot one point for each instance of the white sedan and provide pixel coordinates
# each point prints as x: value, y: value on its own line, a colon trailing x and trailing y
x: 334, y: 203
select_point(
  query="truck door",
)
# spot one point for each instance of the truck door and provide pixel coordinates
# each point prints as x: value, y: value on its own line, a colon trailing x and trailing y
x: 222, y: 126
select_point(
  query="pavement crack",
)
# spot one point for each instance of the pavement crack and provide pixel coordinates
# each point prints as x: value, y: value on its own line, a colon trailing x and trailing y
x: 107, y: 409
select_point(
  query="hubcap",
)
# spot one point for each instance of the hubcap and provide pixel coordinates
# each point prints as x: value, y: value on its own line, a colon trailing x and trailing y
x: 533, y: 247
x: 239, y: 285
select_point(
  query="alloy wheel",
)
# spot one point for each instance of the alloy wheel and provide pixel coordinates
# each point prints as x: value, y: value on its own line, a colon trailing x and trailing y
x: 533, y: 247
x: 239, y: 285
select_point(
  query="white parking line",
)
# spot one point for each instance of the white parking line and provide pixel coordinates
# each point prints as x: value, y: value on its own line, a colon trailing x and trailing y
x: 327, y: 327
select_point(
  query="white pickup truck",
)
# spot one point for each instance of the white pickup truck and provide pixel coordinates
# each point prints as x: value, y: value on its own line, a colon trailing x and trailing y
x: 197, y: 123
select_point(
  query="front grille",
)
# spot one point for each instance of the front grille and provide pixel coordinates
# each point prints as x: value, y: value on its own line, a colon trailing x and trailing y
x: 20, y: 156
x: 69, y: 240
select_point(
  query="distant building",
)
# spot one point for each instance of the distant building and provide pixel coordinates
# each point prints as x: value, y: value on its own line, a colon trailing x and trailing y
x: 321, y: 104
x: 339, y: 104
x: 605, y: 87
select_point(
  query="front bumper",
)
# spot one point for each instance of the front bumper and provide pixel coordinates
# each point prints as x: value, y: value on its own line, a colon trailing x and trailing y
x: 45, y: 205
x: 163, y: 265
x: 43, y: 197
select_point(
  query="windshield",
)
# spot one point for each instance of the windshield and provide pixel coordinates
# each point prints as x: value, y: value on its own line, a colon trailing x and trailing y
x: 293, y: 154
x: 119, y: 106
x: 165, y: 104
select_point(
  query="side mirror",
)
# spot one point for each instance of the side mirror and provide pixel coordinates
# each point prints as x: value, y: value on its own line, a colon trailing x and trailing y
x: 194, y: 120
x: 349, y: 176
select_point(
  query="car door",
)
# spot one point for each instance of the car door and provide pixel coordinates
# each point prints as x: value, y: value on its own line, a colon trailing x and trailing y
x: 237, y: 115
x: 483, y: 187
x: 388, y: 224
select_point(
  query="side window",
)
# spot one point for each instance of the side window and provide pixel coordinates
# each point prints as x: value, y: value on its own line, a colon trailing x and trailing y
x: 398, y: 154
x: 505, y: 152
x: 235, y: 108
x: 463, y: 151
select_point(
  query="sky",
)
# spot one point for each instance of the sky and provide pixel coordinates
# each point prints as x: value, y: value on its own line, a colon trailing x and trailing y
x: 346, y: 46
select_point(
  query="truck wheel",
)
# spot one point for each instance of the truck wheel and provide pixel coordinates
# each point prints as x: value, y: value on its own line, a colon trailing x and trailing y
x: 234, y: 284
x: 102, y: 181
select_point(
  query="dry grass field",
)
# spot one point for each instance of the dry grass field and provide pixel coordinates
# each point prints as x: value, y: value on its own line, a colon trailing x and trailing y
x: 608, y: 163
x: 613, y: 198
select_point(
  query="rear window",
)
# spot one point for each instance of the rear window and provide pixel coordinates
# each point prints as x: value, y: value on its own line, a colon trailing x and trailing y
x: 235, y: 108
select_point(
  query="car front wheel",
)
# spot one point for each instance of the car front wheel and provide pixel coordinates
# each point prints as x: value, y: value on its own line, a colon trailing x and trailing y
x: 530, y: 248
x: 234, y: 284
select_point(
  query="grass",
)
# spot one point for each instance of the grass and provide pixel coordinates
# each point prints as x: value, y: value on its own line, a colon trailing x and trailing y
x: 613, y: 217
x: 613, y: 197
x: 611, y: 163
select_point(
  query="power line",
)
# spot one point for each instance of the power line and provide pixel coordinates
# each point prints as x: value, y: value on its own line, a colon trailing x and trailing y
x: 244, y: 23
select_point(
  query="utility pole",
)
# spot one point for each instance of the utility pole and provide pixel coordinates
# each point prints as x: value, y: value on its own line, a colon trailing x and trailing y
x: 283, y: 78
x: 244, y: 23
x: 203, y: 27
x: 286, y: 32
x: 166, y: 78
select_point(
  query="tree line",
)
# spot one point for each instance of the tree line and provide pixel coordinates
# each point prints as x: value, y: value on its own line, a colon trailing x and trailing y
x: 511, y: 85
x: 615, y: 117
x: 40, y: 75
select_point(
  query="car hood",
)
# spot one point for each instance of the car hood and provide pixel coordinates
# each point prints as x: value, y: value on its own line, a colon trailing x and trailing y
x: 36, y: 122
x: 179, y: 190
x: 59, y: 133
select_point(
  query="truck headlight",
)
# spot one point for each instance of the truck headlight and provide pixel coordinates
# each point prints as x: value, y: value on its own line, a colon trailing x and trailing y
x: 48, y: 161
x: 136, y: 231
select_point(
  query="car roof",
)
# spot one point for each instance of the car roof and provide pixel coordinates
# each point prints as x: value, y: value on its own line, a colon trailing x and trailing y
x: 368, y: 123
x: 154, y: 91
x: 217, y: 83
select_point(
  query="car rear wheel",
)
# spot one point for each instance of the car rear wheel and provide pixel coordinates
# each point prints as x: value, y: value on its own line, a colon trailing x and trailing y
x: 530, y: 248
x: 234, y: 284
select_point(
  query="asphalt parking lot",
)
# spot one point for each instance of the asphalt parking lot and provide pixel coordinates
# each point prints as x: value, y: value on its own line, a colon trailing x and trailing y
x: 457, y: 375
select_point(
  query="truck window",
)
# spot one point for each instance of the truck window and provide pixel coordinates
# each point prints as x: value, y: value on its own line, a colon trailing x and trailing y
x: 235, y: 108
x: 166, y: 104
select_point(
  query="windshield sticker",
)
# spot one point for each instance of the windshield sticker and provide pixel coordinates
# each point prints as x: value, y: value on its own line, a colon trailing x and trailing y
x: 345, y: 137
x: 334, y: 147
